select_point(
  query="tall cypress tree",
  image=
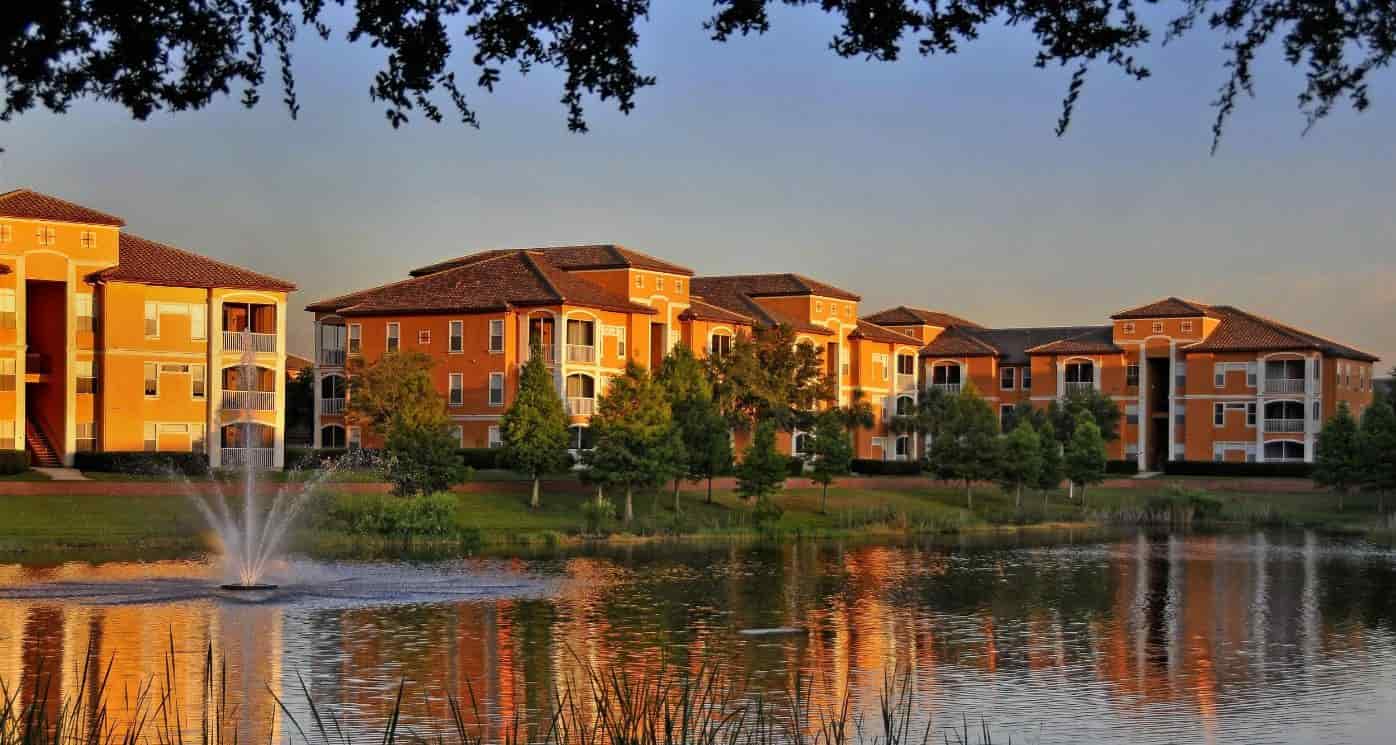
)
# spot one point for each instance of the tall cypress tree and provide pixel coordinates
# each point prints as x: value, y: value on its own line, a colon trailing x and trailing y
x: 1377, y: 448
x: 1337, y: 463
x: 534, y: 428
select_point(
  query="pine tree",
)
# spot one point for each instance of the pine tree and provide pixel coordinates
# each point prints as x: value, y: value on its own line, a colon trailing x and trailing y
x: 1085, y: 454
x: 833, y: 453
x: 1020, y: 459
x: 761, y: 474
x: 636, y: 443
x: 1337, y: 462
x: 965, y: 448
x: 1049, y: 475
x: 1377, y: 448
x: 534, y: 428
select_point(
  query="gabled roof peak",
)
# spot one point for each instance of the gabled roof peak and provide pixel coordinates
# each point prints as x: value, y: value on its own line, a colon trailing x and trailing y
x: 1169, y: 307
x: 577, y: 257
x: 28, y: 204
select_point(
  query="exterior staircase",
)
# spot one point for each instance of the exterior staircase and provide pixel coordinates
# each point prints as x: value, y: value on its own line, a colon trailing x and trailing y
x: 41, y: 452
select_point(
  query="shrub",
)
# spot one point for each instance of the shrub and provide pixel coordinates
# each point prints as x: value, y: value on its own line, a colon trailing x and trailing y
x: 421, y: 459
x: 311, y: 457
x: 143, y: 463
x: 479, y: 458
x: 1212, y: 468
x: 795, y: 466
x: 1122, y: 467
x: 873, y: 467
x: 420, y: 516
x: 596, y: 512
x: 1181, y: 505
x: 765, y: 513
x: 13, y: 462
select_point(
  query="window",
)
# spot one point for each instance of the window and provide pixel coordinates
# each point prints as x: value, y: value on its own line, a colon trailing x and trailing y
x: 1005, y: 417
x: 458, y: 434
x: 905, y: 406
x: 7, y: 434
x: 87, y: 239
x: 1006, y: 378
x: 639, y: 280
x: 1129, y: 328
x: 818, y: 306
x: 1132, y: 375
x: 678, y: 285
x: 658, y: 283
x: 902, y: 449
x: 46, y: 236
x: 1250, y: 414
x: 579, y: 438
x: 355, y: 440
x: 1187, y: 327
x: 496, y: 389
x: 803, y: 443
x: 82, y: 301
x: 906, y: 364
x: 1079, y: 373
x: 948, y: 375
x: 7, y: 233
x: 1251, y: 370
x: 493, y: 438
x: 457, y: 388
x: 1157, y: 327
x: 497, y: 335
x: 1219, y: 375
x: 394, y: 343
x: 424, y: 337
x: 1027, y: 378
x: 1218, y: 414
x: 1318, y: 411
x: 152, y: 380
x: 86, y: 436
x: 833, y: 309
x: 152, y: 320
x: 7, y: 374
x: 847, y: 311
x: 620, y: 342
x: 457, y: 336
x: 7, y: 308
x: 151, y: 440
x: 1132, y: 413
x: 355, y: 338
x: 332, y: 436
x: 197, y: 382
x: 86, y: 376
x: 720, y: 346
x: 1132, y: 450
x: 1284, y: 450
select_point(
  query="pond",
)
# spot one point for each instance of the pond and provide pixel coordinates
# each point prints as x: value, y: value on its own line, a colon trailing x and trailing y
x: 1041, y: 637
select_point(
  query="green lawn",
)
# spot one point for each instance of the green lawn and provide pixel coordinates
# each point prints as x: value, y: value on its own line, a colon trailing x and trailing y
x: 29, y: 475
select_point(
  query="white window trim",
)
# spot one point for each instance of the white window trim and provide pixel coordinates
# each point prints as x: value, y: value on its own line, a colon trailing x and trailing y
x: 455, y: 389
x: 350, y: 337
x: 423, y: 337
x: 146, y: 316
x: 1012, y: 379
x: 490, y: 394
x: 353, y: 438
x: 1129, y: 327
x: 490, y: 342
x: 393, y: 330
x: 493, y: 437
x: 455, y: 342
x: 156, y: 365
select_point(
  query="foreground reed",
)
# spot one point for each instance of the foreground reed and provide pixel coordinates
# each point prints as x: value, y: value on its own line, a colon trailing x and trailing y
x: 611, y: 707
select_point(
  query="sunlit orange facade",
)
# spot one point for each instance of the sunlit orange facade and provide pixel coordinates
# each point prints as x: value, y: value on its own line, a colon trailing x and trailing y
x: 111, y: 342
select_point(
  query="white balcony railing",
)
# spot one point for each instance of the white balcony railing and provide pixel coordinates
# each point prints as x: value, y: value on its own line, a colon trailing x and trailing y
x: 951, y: 388
x: 1284, y: 385
x: 249, y: 400
x: 239, y: 341
x: 578, y: 406
x: 905, y: 382
x: 331, y: 406
x: 1284, y: 425
x: 580, y: 353
x: 262, y: 458
x: 1079, y: 386
x: 548, y: 353
x: 333, y: 357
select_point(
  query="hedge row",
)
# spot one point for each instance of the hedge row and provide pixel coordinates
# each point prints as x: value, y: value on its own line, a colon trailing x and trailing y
x: 13, y: 462
x: 1122, y: 467
x: 142, y: 462
x: 1213, y: 468
x: 476, y: 458
x: 874, y: 467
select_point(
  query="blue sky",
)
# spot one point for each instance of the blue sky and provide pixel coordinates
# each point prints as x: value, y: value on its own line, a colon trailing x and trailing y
x: 933, y: 182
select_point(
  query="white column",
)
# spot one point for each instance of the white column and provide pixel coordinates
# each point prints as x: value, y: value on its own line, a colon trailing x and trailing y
x: 1172, y: 445
x: 1309, y: 392
x: 21, y: 352
x: 1061, y: 377
x: 319, y: 375
x: 215, y: 380
x: 278, y: 456
x: 70, y: 345
x: 1145, y: 419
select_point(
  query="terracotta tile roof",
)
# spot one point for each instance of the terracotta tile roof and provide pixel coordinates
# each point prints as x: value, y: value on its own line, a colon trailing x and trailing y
x: 903, y: 315
x: 703, y: 311
x: 873, y: 332
x: 149, y: 263
x: 957, y: 342
x: 28, y: 204
x: 1240, y: 331
x: 1013, y: 346
x: 571, y: 258
x: 1169, y: 307
x: 1096, y: 341
x: 769, y: 285
x: 517, y: 278
x: 296, y: 363
x: 728, y: 297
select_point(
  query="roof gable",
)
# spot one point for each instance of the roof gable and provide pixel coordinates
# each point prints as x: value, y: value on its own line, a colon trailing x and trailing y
x: 904, y: 315
x: 770, y: 285
x: 874, y: 332
x: 144, y: 261
x: 27, y: 204
x: 570, y: 258
x: 1169, y: 307
x: 1240, y: 331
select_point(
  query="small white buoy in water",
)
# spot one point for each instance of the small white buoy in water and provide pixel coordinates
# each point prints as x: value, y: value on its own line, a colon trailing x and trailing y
x: 778, y: 630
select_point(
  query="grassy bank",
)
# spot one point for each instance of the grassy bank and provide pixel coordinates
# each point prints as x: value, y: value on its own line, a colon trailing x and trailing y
x: 159, y: 524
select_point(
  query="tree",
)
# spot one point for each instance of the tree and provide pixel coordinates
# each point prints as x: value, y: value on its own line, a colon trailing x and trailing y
x: 1377, y: 449
x: 1020, y: 459
x: 635, y: 442
x: 1101, y: 408
x: 300, y: 403
x: 1337, y: 463
x: 933, y: 409
x: 422, y: 457
x: 832, y: 452
x: 1085, y: 455
x: 705, y: 435
x: 965, y: 448
x: 534, y: 429
x: 397, y: 385
x: 768, y: 376
x: 761, y: 473
x: 1050, y: 470
x: 168, y: 54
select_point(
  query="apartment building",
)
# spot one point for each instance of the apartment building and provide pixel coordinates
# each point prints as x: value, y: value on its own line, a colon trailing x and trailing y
x: 1193, y: 381
x: 589, y: 310
x: 113, y: 342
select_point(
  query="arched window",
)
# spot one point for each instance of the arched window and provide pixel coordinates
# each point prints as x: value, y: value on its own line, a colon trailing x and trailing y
x: 1284, y: 450
x: 332, y: 436
x: 906, y: 406
x: 581, y: 394
x: 903, y: 448
x: 579, y: 438
x: 1080, y: 375
x: 720, y: 345
x: 803, y: 443
x: 946, y: 377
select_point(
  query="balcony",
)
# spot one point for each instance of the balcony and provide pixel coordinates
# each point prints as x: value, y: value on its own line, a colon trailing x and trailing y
x: 1079, y: 386
x: 248, y: 341
x: 1284, y: 425
x: 249, y: 400
x: 332, y: 357
x: 259, y: 458
x: 905, y: 382
x: 1284, y: 385
x: 548, y: 353
x: 334, y: 406
x: 578, y: 406
x: 581, y: 353
x: 952, y: 389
